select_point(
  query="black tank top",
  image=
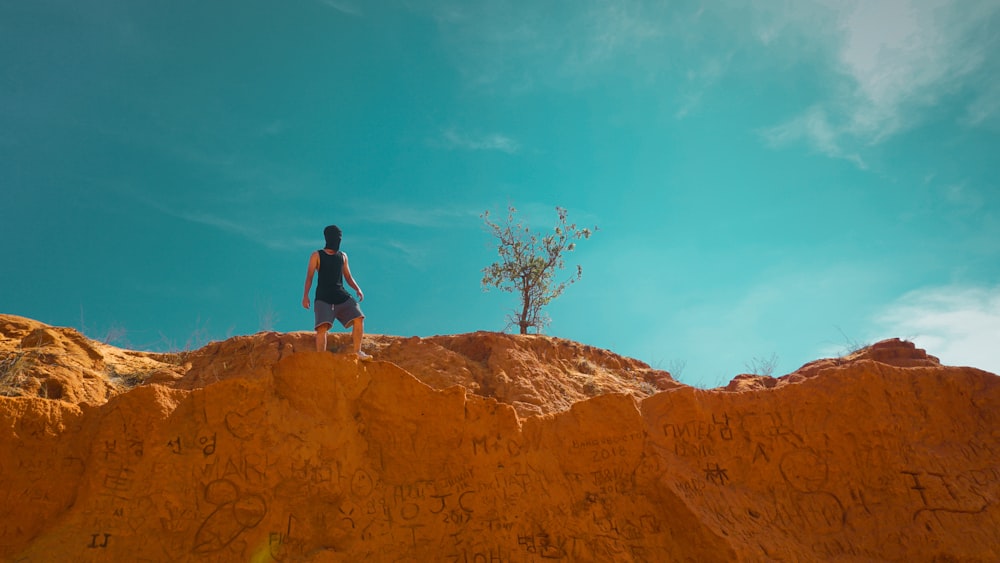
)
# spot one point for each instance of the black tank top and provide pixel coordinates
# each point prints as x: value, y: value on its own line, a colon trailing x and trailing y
x: 330, y: 287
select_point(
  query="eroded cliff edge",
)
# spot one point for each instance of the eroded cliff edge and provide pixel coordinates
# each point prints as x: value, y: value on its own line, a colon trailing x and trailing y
x: 884, y: 455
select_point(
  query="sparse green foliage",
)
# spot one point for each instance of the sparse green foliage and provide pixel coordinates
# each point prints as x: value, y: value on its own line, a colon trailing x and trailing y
x: 762, y: 366
x: 528, y: 265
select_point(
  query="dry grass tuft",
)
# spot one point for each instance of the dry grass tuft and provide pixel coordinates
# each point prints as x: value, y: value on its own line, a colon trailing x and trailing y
x: 14, y: 368
x: 128, y: 380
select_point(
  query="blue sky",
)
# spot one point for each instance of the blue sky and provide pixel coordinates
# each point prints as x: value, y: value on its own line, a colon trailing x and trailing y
x: 782, y: 180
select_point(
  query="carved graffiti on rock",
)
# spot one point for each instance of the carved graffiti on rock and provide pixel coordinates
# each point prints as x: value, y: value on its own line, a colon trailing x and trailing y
x: 235, y: 512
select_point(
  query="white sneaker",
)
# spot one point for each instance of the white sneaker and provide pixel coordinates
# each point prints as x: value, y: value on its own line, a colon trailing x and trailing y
x: 363, y: 356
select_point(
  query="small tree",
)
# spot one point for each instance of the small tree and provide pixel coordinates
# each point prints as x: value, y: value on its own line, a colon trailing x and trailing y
x: 528, y: 265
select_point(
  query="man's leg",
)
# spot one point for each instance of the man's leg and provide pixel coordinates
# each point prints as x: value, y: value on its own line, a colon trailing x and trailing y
x: 321, y: 337
x: 358, y: 330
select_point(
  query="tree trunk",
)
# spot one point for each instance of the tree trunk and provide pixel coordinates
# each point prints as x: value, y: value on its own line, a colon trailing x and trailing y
x: 526, y: 307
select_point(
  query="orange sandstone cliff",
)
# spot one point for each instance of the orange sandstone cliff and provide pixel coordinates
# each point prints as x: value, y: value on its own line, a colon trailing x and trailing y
x: 484, y: 448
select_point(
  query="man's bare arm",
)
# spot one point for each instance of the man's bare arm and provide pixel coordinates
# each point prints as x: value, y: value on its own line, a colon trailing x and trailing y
x: 350, y: 280
x: 313, y: 266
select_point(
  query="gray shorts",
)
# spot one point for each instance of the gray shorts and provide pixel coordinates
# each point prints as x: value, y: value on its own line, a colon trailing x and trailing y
x: 346, y: 312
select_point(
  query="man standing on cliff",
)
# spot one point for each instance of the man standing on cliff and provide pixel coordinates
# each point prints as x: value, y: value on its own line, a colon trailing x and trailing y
x: 332, y: 302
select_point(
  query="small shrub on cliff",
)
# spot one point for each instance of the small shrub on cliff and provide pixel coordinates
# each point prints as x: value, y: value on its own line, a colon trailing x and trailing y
x: 528, y: 265
x: 762, y: 366
x: 14, y: 367
x: 648, y: 388
x: 852, y: 345
x: 674, y: 367
x: 128, y: 380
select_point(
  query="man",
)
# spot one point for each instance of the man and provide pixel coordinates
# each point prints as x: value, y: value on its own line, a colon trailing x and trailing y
x: 332, y: 301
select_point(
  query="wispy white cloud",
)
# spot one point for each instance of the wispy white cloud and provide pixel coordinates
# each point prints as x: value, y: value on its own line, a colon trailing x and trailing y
x: 414, y: 255
x: 247, y: 230
x: 275, y: 127
x: 454, y: 139
x: 344, y: 7
x: 617, y: 26
x: 269, y: 239
x: 963, y: 197
x: 959, y: 324
x: 220, y: 223
x: 814, y: 128
x: 901, y: 54
x: 985, y: 108
x: 419, y: 216
x: 892, y: 61
x: 700, y: 80
x: 898, y: 59
x: 515, y: 46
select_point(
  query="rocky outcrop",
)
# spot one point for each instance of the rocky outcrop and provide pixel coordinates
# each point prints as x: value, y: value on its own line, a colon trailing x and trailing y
x: 534, y: 374
x: 60, y: 363
x: 294, y: 455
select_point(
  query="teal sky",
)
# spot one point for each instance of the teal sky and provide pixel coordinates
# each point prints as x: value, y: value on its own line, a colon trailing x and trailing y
x: 781, y: 180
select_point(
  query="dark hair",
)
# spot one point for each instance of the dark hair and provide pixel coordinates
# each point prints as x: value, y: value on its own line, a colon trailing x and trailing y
x: 333, y: 234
